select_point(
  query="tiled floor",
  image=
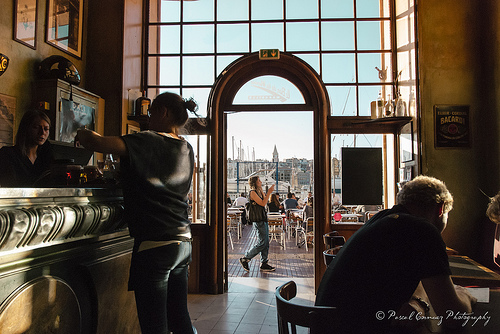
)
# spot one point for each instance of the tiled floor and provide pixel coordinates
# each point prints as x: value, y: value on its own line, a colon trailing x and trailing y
x: 248, y: 307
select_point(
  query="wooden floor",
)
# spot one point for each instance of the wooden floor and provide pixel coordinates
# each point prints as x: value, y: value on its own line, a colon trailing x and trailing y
x: 294, y: 262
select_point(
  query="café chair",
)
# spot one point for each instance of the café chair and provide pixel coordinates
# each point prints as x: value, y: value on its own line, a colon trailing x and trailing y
x: 319, y: 319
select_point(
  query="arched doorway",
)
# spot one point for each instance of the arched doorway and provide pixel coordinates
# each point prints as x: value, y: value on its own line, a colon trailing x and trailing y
x: 221, y: 98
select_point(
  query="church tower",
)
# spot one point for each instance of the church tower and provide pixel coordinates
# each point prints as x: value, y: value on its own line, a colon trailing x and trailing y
x: 275, y: 154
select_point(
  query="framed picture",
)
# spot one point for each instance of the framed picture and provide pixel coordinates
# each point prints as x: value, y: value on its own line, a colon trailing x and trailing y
x: 25, y: 22
x: 452, y: 126
x: 132, y: 129
x: 7, y: 119
x: 64, y: 25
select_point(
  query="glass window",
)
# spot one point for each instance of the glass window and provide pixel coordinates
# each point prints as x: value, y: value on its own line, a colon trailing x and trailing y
x: 337, y: 8
x: 337, y: 35
x: 267, y: 36
x: 370, y: 36
x: 302, y: 36
x: 232, y: 37
x: 165, y: 39
x: 369, y: 65
x: 197, y: 197
x: 338, y: 68
x: 372, y: 8
x: 267, y: 9
x: 342, y: 100
x: 268, y: 89
x: 170, y: 71
x: 301, y: 9
x: 224, y: 61
x: 198, y: 38
x: 198, y: 70
x: 312, y: 59
x: 232, y: 10
x: 169, y: 11
x: 200, y: 95
x: 198, y: 11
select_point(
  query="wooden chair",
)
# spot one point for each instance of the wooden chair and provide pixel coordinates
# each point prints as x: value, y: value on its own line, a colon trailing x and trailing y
x: 319, y: 319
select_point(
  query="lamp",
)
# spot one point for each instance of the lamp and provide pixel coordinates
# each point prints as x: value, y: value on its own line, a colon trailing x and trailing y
x: 4, y: 63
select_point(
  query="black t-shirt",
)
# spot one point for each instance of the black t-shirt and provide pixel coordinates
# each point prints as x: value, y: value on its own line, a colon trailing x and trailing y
x: 156, y: 176
x: 379, y: 268
x: 16, y: 169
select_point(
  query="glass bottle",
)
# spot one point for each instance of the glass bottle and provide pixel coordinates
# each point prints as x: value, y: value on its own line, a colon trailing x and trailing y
x: 142, y: 105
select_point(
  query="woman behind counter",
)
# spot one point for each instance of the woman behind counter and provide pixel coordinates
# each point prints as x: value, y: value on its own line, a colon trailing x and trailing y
x: 24, y: 163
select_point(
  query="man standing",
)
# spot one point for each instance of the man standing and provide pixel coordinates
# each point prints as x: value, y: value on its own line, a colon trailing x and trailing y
x: 379, y: 268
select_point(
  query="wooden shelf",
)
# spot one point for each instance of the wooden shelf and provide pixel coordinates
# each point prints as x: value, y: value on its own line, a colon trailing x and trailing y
x: 348, y: 125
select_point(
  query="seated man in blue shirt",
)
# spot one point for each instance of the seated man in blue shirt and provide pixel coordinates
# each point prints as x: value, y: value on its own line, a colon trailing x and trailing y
x: 291, y: 202
x: 380, y: 267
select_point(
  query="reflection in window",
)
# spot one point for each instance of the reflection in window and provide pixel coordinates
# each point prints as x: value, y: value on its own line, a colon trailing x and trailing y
x: 268, y: 90
x: 198, y: 205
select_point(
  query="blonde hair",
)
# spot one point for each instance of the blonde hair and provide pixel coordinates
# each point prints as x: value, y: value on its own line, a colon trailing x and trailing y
x: 252, y: 181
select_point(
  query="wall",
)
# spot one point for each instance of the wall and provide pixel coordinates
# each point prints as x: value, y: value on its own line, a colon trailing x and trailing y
x: 17, y: 81
x: 458, y: 44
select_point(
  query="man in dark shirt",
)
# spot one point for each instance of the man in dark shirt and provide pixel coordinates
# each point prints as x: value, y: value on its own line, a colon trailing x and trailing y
x: 379, y: 268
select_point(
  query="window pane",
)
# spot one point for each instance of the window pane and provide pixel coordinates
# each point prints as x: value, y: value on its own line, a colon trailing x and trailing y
x: 196, y: 11
x: 302, y: 36
x: 370, y: 66
x: 301, y: 9
x: 342, y: 100
x: 200, y: 95
x: 198, y: 70
x: 198, y: 38
x: 337, y: 35
x: 311, y: 59
x: 224, y: 61
x: 169, y: 71
x: 369, y: 94
x: 232, y: 38
x: 169, y: 11
x: 166, y: 38
x: 267, y: 9
x: 198, y: 193
x: 232, y: 10
x: 370, y: 8
x: 338, y: 68
x: 337, y: 8
x: 267, y: 36
x: 370, y: 34
x: 268, y: 89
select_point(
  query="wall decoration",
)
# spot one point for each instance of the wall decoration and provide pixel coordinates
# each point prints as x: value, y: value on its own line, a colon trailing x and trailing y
x: 132, y: 129
x: 25, y: 22
x: 4, y: 63
x: 452, y: 126
x: 7, y: 118
x: 64, y: 25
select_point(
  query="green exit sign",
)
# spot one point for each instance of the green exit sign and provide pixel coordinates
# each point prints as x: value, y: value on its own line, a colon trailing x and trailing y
x: 269, y: 54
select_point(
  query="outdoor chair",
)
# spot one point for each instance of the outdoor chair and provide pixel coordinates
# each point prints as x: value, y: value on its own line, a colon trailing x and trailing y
x: 319, y: 319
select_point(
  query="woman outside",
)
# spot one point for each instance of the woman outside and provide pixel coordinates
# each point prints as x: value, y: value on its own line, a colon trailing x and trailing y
x: 156, y: 171
x: 24, y: 163
x: 274, y: 203
x: 259, y: 199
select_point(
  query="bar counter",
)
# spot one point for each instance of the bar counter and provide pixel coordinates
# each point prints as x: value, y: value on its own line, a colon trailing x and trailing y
x: 64, y: 261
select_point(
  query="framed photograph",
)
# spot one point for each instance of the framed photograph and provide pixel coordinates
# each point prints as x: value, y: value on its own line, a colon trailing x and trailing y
x: 132, y: 129
x: 452, y: 126
x: 7, y: 119
x: 25, y: 22
x: 64, y: 25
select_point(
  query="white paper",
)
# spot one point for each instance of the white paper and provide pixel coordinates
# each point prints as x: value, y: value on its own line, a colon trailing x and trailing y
x: 482, y: 294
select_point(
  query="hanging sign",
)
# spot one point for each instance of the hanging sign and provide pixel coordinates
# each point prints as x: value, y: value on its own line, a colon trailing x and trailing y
x: 452, y: 128
x: 4, y: 63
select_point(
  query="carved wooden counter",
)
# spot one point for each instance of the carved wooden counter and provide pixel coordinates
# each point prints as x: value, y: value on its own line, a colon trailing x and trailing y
x: 64, y: 261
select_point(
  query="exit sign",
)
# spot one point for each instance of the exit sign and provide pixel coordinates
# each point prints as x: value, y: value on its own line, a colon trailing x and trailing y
x: 269, y: 54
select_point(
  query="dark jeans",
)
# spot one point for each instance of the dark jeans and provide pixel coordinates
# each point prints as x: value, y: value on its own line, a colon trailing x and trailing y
x: 159, y: 277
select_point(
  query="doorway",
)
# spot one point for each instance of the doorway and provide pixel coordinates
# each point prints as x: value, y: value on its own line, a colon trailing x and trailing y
x: 221, y: 101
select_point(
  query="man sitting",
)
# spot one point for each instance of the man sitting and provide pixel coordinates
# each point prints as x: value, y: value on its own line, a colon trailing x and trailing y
x: 291, y: 202
x: 379, y: 268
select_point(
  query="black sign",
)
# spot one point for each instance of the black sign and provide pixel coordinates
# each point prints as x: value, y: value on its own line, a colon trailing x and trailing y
x: 4, y: 63
x: 452, y: 126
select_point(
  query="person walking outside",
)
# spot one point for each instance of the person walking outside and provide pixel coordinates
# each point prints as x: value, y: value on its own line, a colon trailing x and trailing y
x: 156, y: 170
x: 258, y: 215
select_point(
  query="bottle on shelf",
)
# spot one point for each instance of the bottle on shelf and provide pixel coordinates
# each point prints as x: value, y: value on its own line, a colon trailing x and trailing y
x: 389, y: 107
x: 400, y: 106
x: 142, y: 105
x: 380, y: 106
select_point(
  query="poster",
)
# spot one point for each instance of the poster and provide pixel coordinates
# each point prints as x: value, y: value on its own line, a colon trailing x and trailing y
x: 73, y: 116
x: 7, y: 118
x: 452, y: 126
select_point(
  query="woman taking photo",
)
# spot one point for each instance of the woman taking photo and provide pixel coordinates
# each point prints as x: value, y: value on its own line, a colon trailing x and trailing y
x: 156, y: 171
x: 258, y: 201
x: 25, y: 162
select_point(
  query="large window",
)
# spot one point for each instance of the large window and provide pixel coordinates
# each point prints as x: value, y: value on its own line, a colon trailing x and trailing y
x: 348, y: 42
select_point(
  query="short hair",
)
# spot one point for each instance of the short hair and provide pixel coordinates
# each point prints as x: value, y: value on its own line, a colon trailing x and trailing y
x: 493, y: 211
x: 242, y: 194
x: 424, y: 191
x: 289, y: 195
x: 252, y: 181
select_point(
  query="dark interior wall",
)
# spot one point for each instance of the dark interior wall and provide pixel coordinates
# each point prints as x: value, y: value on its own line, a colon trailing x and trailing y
x: 457, y: 55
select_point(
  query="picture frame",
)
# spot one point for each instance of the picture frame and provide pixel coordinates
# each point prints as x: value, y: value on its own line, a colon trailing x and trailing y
x: 25, y: 21
x: 452, y: 126
x: 7, y: 119
x: 132, y: 129
x: 65, y: 25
